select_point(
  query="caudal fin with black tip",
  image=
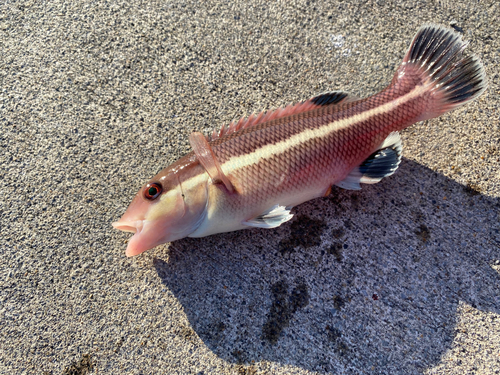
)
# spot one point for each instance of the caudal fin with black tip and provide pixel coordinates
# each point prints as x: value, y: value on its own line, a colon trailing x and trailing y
x: 436, y: 53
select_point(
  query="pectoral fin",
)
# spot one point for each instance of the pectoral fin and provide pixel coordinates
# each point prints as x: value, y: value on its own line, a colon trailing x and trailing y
x: 272, y: 218
x: 207, y: 158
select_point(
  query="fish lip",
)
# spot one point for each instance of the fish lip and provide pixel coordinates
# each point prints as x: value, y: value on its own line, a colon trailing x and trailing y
x: 129, y: 226
x: 143, y: 238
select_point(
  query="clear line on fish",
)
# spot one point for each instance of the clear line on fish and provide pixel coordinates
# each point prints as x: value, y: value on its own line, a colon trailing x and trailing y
x: 251, y: 173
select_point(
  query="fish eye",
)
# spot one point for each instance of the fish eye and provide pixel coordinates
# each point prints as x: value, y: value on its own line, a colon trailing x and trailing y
x: 152, y: 191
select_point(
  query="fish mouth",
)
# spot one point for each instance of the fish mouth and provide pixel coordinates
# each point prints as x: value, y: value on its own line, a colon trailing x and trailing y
x: 129, y: 226
x: 144, y: 237
x: 147, y: 234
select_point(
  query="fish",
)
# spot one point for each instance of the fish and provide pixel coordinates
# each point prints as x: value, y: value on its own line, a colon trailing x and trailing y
x: 251, y: 173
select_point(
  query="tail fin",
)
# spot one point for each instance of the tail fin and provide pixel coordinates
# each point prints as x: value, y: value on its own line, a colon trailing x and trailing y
x: 436, y: 53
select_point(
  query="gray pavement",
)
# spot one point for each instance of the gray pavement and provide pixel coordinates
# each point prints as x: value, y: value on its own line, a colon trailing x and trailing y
x: 401, y: 277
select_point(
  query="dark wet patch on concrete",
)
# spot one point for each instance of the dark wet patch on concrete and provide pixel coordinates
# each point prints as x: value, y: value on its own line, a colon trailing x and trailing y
x: 355, y: 202
x: 82, y: 367
x: 338, y: 302
x: 246, y: 370
x: 423, y: 232
x: 472, y: 189
x: 338, y: 232
x: 214, y: 331
x: 284, y: 306
x: 336, y: 250
x: 305, y: 232
x: 186, y: 333
x: 337, y: 247
x: 240, y: 358
x: 348, y: 224
x: 334, y: 336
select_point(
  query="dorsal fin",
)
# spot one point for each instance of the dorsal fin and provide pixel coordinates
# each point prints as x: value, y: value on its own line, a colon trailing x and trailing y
x: 328, y: 98
x: 207, y: 158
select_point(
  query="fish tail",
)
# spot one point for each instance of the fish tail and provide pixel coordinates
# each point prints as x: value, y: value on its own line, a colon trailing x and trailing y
x: 435, y: 64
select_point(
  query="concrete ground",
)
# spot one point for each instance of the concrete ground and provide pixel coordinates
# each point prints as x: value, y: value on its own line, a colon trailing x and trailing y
x: 401, y: 277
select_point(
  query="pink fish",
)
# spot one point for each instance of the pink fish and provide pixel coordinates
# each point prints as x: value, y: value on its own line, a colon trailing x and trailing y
x: 253, y: 172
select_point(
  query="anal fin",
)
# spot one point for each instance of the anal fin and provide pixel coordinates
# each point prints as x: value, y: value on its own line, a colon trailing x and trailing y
x: 382, y: 163
x: 272, y: 218
x: 207, y: 158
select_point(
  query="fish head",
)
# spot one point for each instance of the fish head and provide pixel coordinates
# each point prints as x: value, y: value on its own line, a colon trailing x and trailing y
x: 167, y: 208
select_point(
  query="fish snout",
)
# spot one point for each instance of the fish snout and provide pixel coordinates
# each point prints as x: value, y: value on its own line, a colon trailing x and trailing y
x: 147, y: 234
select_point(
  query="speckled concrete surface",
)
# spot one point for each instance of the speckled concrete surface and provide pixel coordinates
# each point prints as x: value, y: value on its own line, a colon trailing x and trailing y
x: 399, y: 278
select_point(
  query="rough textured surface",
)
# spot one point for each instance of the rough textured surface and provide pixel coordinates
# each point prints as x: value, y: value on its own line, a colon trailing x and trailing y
x: 96, y: 97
